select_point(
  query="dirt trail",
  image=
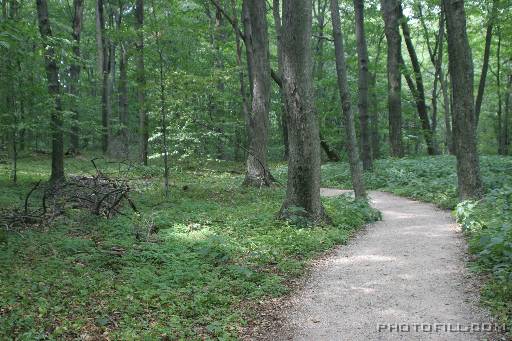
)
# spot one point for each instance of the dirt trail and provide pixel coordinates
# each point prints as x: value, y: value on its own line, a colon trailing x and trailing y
x: 407, y: 269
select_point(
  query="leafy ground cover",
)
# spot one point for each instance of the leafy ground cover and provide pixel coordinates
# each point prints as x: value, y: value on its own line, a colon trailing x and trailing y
x: 181, y: 269
x: 487, y: 222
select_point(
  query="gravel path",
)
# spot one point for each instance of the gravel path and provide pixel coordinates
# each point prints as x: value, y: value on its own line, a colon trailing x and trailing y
x: 407, y: 269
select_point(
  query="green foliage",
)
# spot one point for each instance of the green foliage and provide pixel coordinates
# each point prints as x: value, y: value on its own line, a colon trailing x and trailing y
x: 489, y: 225
x: 200, y: 255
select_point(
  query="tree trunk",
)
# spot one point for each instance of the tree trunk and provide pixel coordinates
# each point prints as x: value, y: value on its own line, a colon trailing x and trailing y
x: 464, y: 118
x: 257, y: 173
x: 447, y: 113
x: 499, y: 119
x: 103, y: 70
x: 418, y: 89
x: 506, y: 123
x: 52, y: 74
x: 485, y: 63
x: 141, y: 83
x: 276, y: 8
x: 362, y: 53
x: 375, y: 136
x: 123, y: 99
x: 241, y: 76
x: 331, y: 153
x: 74, y: 73
x: 391, y: 14
x: 319, y: 16
x: 348, y: 118
x: 303, y: 188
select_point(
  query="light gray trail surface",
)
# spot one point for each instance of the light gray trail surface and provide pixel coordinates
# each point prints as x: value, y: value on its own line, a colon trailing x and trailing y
x: 407, y: 269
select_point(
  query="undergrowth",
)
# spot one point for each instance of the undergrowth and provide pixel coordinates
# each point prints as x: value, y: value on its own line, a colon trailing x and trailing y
x: 180, y: 269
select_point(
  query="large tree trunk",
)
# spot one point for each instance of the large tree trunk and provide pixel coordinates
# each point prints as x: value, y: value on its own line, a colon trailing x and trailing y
x: 418, y: 89
x: 303, y: 188
x: 464, y: 119
x: 362, y: 53
x: 348, y: 117
x: 391, y: 14
x: 74, y: 73
x: 257, y: 173
x: 52, y: 74
x: 485, y: 63
x: 141, y: 83
x: 276, y: 8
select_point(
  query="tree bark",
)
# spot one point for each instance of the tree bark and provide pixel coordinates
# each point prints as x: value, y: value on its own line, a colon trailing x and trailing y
x: 52, y: 74
x: 303, y: 188
x: 506, y: 123
x: 123, y: 98
x: 257, y: 173
x: 103, y: 70
x: 276, y: 8
x: 447, y: 113
x: 418, y: 89
x: 485, y: 63
x: 74, y: 73
x: 331, y: 153
x: 348, y: 117
x: 241, y: 76
x: 499, y: 117
x: 362, y: 53
x: 464, y: 118
x: 141, y: 83
x: 375, y: 136
x: 391, y: 14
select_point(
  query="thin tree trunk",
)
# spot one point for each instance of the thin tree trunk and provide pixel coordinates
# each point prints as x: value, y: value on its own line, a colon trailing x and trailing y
x: 276, y: 8
x: 52, y: 74
x: 123, y: 98
x: 241, y: 76
x: 257, y: 173
x: 499, y: 119
x: 141, y: 83
x: 74, y: 74
x: 418, y: 89
x: 103, y: 70
x: 348, y: 117
x: 485, y: 64
x: 163, y: 108
x: 447, y: 113
x: 319, y: 16
x: 391, y: 14
x: 464, y: 118
x: 362, y: 52
x: 506, y: 123
x: 331, y: 153
x: 303, y: 188
x: 375, y: 138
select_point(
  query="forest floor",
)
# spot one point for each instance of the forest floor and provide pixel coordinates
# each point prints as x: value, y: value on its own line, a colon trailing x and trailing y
x: 408, y: 269
x: 203, y: 263
x: 191, y: 266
